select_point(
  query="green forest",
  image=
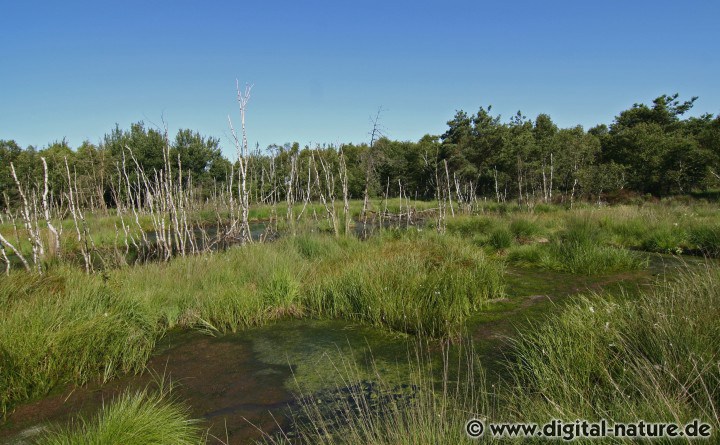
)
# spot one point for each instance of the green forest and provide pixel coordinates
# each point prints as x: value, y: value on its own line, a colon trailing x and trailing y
x: 647, y: 150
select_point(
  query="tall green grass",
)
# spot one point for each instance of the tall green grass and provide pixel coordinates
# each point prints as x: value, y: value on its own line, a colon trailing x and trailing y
x: 68, y: 333
x: 500, y: 238
x: 223, y: 292
x: 672, y: 229
x: 579, y: 249
x: 706, y: 239
x: 470, y: 225
x: 427, y: 286
x: 68, y: 327
x: 653, y: 358
x: 431, y: 408
x: 662, y: 228
x: 524, y: 228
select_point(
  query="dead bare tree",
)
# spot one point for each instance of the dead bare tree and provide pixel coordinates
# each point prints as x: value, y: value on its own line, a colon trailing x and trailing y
x: 5, y: 258
x: 289, y: 195
x: 440, y: 196
x: 307, y: 194
x: 272, y: 195
x: 330, y: 189
x: 448, y: 189
x: 375, y: 134
x: 30, y: 221
x: 75, y: 211
x: 241, y: 146
x: 46, y: 211
x: 4, y: 242
x: 346, y: 200
x: 167, y: 194
x: 132, y: 199
x: 552, y: 171
x: 13, y: 219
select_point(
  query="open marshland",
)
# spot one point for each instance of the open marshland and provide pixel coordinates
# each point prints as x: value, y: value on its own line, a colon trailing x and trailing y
x: 397, y: 335
x: 155, y: 292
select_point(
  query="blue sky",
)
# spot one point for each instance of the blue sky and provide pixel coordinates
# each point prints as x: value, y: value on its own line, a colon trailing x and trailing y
x: 321, y: 69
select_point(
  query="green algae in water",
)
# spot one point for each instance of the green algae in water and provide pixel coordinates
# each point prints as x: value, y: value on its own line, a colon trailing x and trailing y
x: 327, y: 353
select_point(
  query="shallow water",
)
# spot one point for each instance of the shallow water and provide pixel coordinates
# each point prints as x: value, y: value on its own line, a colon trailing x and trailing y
x: 239, y: 384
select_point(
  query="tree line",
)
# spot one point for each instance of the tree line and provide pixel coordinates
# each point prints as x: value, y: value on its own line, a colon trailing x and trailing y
x: 647, y: 149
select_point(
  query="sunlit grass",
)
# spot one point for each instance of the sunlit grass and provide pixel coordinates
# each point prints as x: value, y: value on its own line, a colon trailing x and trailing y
x: 427, y: 286
x: 622, y: 359
x: 653, y: 358
x: 66, y: 326
x: 144, y: 417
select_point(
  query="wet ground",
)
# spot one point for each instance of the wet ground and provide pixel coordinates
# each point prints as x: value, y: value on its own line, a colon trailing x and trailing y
x: 245, y: 383
x: 238, y: 384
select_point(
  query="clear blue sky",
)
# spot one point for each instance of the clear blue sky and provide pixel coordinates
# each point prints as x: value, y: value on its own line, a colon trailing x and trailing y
x: 320, y: 69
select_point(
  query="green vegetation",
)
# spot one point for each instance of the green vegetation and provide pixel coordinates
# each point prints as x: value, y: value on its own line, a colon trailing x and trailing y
x: 427, y: 286
x: 78, y: 326
x: 107, y: 247
x: 614, y: 356
x: 577, y: 249
x: 651, y: 358
x: 524, y: 229
x: 67, y: 328
x: 576, y: 258
x: 665, y: 227
x: 706, y: 239
x: 141, y: 418
x: 647, y: 149
x: 410, y: 281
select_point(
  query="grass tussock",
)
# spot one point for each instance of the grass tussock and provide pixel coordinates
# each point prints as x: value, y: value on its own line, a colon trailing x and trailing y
x: 653, y: 357
x: 470, y: 226
x: 56, y: 336
x: 579, y: 249
x: 427, y: 286
x: 135, y: 418
x: 500, y: 238
x: 525, y: 228
x: 706, y: 239
x: 673, y: 229
x: 220, y: 293
x: 662, y: 228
